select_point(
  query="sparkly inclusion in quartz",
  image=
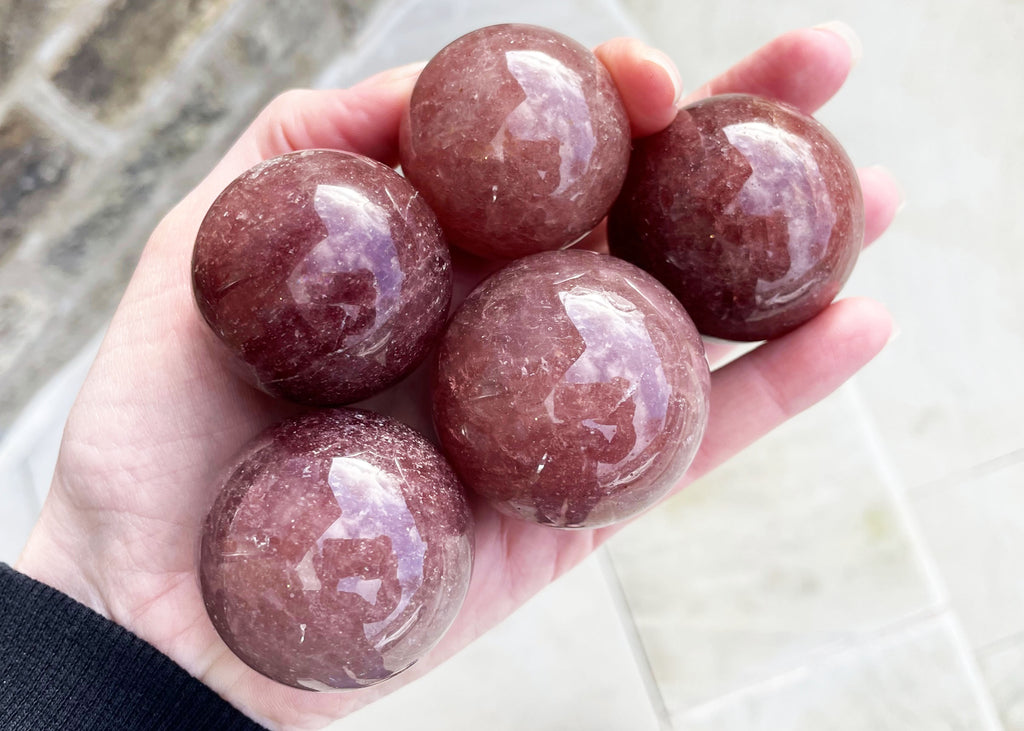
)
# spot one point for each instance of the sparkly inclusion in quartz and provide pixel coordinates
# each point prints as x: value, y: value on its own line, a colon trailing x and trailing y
x: 518, y: 139
x: 324, y: 273
x: 748, y: 210
x: 338, y: 551
x: 571, y: 389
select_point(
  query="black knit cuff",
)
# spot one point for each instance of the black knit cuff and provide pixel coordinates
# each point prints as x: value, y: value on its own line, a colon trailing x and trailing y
x: 63, y: 666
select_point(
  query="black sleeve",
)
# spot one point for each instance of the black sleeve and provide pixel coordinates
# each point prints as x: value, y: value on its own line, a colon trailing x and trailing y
x: 63, y: 666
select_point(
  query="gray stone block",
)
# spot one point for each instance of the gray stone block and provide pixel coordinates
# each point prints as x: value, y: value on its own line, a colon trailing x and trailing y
x: 34, y: 166
x: 23, y: 24
x: 208, y: 94
x: 133, y: 44
x: 271, y: 47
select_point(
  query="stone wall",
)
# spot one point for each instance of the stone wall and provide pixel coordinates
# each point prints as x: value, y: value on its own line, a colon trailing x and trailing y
x: 110, y: 110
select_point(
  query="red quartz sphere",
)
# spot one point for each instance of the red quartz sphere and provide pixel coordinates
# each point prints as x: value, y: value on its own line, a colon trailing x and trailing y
x: 571, y: 389
x: 747, y: 209
x: 325, y: 275
x: 518, y: 139
x: 338, y: 551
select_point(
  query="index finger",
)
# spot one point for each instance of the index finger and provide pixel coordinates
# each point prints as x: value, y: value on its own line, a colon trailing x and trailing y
x: 362, y: 119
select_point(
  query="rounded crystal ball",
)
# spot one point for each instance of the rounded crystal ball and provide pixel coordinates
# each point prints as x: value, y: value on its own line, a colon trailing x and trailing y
x: 338, y: 551
x: 325, y: 275
x: 571, y: 389
x: 747, y: 209
x: 517, y: 137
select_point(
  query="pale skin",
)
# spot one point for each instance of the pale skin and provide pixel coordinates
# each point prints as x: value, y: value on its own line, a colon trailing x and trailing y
x: 160, y: 415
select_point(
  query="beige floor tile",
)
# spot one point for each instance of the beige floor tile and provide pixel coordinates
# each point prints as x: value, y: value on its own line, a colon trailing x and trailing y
x: 1003, y: 669
x: 912, y: 680
x: 561, y: 662
x: 975, y: 531
x: 947, y: 395
x: 792, y: 549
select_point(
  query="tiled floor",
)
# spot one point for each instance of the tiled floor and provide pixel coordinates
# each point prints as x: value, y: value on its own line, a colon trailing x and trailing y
x: 858, y: 569
x: 793, y: 550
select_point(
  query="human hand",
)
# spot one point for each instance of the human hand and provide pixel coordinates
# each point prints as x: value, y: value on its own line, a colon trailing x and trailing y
x: 160, y: 414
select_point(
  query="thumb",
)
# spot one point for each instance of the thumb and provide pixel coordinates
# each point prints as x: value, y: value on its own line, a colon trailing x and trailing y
x: 362, y: 119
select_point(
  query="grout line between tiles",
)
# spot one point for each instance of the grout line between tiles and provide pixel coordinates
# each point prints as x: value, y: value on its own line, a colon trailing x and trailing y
x: 85, y: 134
x: 901, y: 503
x: 974, y: 472
x: 626, y: 619
x: 886, y: 634
x: 897, y: 492
x: 811, y: 660
x: 1003, y: 643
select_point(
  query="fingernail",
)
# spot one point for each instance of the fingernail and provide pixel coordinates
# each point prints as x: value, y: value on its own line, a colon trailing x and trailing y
x: 661, y: 59
x: 407, y: 71
x: 894, y: 333
x: 847, y: 33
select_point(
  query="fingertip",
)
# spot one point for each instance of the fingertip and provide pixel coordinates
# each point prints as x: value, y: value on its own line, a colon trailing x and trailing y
x: 883, y: 199
x: 667, y: 67
x: 865, y: 313
x: 758, y: 391
x: 848, y: 35
x: 804, y: 68
x: 648, y: 82
x: 400, y: 75
x: 813, y: 65
x: 860, y: 327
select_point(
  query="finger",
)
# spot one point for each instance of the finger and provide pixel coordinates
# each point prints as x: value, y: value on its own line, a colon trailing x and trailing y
x: 762, y: 389
x: 648, y: 81
x: 883, y: 199
x: 803, y: 68
x: 363, y: 119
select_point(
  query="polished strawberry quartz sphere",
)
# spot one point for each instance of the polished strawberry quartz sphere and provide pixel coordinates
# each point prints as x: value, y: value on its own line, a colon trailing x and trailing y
x: 324, y: 274
x: 518, y: 139
x: 338, y: 551
x: 571, y: 390
x: 748, y: 210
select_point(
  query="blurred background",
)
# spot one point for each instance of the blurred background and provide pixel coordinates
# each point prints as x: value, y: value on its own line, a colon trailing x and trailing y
x: 860, y: 568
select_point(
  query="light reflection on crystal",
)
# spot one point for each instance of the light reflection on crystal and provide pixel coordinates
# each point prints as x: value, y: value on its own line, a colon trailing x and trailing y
x: 785, y: 179
x: 372, y: 505
x: 619, y: 349
x: 541, y: 78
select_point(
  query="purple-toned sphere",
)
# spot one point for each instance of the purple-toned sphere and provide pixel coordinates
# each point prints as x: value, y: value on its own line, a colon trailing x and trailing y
x: 571, y: 390
x: 338, y: 551
x: 324, y: 273
x: 748, y: 210
x: 518, y: 139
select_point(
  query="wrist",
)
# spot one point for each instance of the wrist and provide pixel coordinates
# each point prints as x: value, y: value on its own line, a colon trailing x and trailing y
x: 50, y: 558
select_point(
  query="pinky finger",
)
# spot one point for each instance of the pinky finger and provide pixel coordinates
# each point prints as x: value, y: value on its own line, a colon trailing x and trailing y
x: 882, y: 200
x: 766, y: 387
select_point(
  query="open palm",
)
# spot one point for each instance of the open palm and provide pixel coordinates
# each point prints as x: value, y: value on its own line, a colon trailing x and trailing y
x: 160, y: 416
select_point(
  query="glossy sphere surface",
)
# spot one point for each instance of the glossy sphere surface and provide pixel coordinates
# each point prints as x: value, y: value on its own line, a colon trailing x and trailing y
x: 324, y: 273
x: 748, y: 210
x: 571, y: 389
x: 518, y: 139
x: 337, y: 552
